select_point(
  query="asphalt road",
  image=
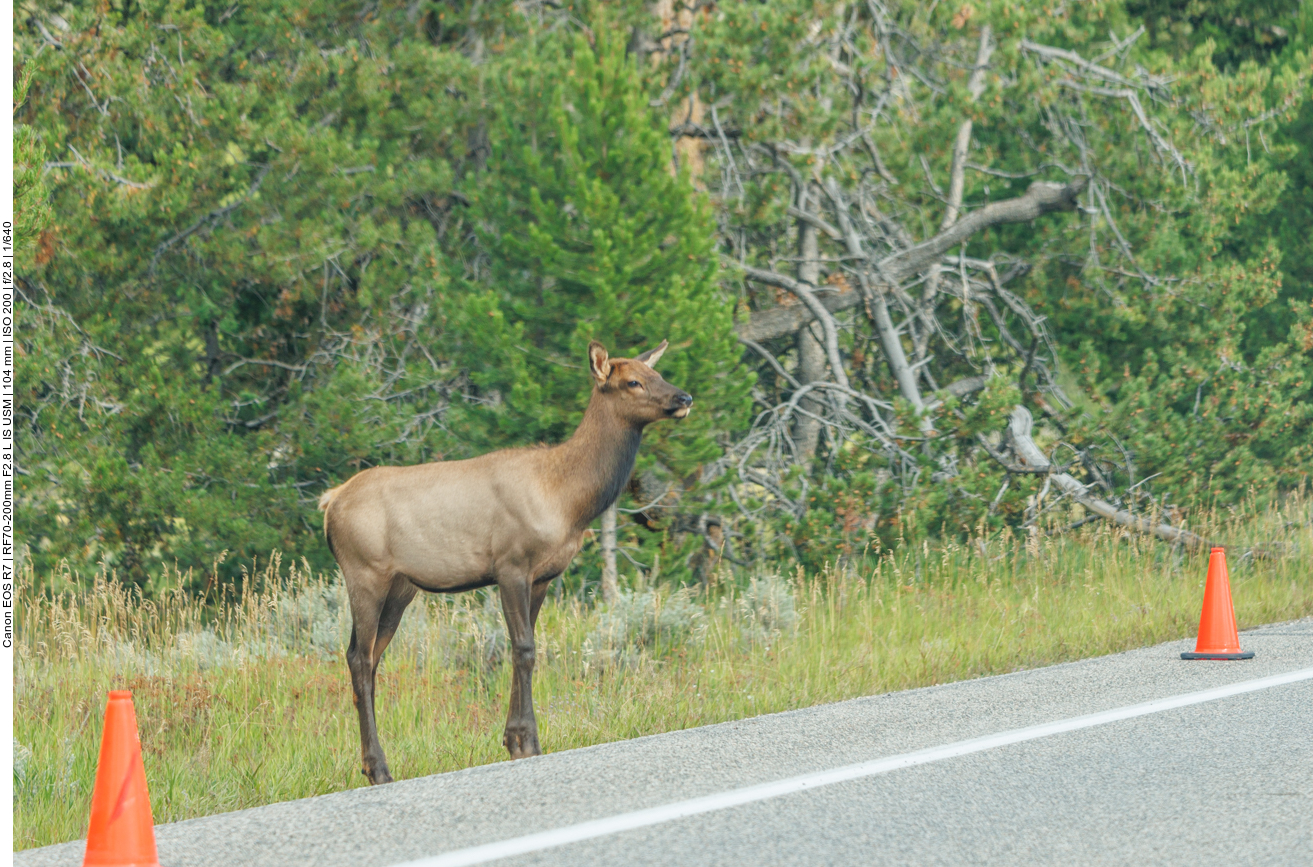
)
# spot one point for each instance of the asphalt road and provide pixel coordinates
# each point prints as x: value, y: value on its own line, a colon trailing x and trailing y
x: 1227, y: 781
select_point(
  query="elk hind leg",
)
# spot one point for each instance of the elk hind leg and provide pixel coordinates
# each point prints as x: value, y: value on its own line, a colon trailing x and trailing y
x: 374, y: 621
x: 390, y: 618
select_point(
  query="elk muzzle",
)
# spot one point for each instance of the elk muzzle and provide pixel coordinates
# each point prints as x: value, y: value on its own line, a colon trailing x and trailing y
x: 679, y: 407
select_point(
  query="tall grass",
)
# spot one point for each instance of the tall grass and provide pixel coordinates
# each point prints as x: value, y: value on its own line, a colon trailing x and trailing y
x: 244, y: 700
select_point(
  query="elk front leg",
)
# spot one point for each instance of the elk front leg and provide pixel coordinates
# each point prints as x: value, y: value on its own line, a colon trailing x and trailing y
x: 520, y: 603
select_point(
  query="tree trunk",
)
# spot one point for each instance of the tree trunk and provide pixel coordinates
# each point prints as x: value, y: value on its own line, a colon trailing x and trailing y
x: 878, y: 309
x: 811, y: 355
x: 690, y: 151
x: 610, y: 576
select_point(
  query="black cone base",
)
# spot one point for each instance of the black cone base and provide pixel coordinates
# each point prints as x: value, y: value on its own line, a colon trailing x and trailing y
x: 1246, y: 654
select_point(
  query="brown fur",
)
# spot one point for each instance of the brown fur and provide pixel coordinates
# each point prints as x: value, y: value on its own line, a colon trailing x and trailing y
x: 514, y: 518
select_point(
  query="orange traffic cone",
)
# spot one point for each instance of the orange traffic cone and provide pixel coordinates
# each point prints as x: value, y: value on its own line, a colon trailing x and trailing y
x: 122, y: 833
x: 1218, y: 638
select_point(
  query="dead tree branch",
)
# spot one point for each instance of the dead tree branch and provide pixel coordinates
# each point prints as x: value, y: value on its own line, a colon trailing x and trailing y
x: 807, y: 296
x: 212, y: 216
x: 875, y: 302
x: 1040, y: 199
x: 1029, y: 455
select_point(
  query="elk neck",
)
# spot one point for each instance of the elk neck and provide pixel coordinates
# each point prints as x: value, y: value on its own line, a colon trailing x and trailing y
x: 594, y: 464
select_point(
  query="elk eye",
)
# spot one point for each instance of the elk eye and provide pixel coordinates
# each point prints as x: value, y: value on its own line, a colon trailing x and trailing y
x: 633, y: 383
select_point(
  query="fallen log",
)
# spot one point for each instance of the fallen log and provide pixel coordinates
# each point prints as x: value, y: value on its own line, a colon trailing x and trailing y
x: 1029, y: 455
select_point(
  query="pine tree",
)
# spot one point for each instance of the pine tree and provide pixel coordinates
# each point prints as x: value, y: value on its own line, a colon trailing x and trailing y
x: 225, y: 268
x: 31, y: 209
x: 590, y: 235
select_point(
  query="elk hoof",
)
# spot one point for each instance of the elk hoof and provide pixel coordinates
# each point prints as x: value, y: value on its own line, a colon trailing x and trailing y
x: 376, y: 776
x: 521, y: 744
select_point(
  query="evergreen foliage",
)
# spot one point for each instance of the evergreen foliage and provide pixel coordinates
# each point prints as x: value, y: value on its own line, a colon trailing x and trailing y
x: 263, y: 247
x: 226, y: 314
x: 31, y: 210
x: 588, y: 236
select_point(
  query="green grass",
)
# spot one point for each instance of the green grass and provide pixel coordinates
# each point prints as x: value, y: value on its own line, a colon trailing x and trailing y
x: 247, y: 702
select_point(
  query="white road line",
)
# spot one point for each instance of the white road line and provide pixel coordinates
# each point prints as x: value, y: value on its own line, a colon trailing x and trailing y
x: 725, y: 800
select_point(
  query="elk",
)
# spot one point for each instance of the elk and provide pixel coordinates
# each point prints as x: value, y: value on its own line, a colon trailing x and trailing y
x: 514, y: 518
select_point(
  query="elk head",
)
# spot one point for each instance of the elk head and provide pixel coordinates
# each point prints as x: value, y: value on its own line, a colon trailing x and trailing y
x: 634, y: 388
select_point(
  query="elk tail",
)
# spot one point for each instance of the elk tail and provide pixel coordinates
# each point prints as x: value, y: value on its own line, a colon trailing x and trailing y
x: 326, y: 500
x: 327, y: 497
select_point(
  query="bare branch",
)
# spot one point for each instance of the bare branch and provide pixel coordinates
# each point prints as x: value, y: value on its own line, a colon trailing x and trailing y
x: 1030, y: 455
x: 242, y: 362
x: 216, y: 214
x: 788, y: 318
x: 833, y: 233
x: 876, y: 306
x: 103, y: 173
x: 103, y: 109
x: 771, y: 360
x: 1041, y: 198
x: 961, y: 388
x: 805, y: 294
x: 957, y: 174
x: 976, y: 84
x: 1088, y: 67
x: 669, y: 90
x: 1078, y: 67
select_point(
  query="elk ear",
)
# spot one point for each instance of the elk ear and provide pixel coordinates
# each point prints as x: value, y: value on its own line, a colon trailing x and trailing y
x: 598, y: 365
x: 652, y: 356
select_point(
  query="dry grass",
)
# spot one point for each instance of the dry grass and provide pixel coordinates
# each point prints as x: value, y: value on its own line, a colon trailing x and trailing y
x: 246, y: 701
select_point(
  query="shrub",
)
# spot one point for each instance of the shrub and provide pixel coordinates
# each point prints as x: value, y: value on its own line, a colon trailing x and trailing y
x: 766, y: 609
x: 644, y: 622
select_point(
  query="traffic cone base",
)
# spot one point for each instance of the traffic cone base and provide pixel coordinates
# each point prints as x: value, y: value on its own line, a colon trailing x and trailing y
x: 121, y: 831
x: 1218, y: 638
x: 1247, y: 654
